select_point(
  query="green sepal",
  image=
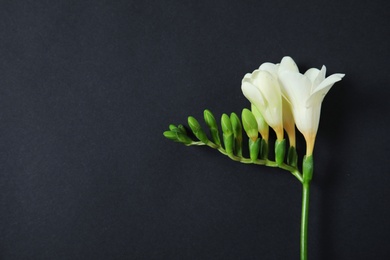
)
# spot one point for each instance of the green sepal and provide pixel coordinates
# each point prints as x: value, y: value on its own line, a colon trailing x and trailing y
x: 237, y: 132
x: 280, y: 150
x: 307, y: 168
x: 254, y: 149
x: 197, y: 130
x: 228, y: 136
x: 263, y: 149
x: 250, y: 124
x: 292, y: 157
x: 212, y: 124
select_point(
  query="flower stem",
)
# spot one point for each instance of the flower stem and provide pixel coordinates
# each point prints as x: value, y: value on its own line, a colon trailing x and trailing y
x: 304, y: 218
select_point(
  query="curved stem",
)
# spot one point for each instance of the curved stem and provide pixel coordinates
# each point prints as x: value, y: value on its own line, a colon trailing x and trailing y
x: 304, y: 218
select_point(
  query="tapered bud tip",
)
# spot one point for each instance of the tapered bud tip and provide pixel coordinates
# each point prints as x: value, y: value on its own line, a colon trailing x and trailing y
x: 170, y: 135
x: 193, y: 123
x: 172, y: 127
x: 236, y: 125
x: 209, y: 119
x: 250, y: 124
x: 182, y: 129
x: 226, y: 124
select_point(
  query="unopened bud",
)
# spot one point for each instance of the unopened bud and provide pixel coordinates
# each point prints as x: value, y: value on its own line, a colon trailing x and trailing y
x: 212, y: 124
x: 228, y: 136
x: 237, y: 132
x: 197, y: 130
x: 250, y: 124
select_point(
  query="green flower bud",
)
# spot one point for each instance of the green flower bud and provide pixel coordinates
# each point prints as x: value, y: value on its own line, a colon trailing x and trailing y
x: 261, y: 123
x: 307, y: 168
x: 280, y: 148
x: 182, y: 129
x: 172, y: 127
x: 237, y: 132
x: 197, y: 130
x: 212, y: 124
x: 292, y: 156
x: 264, y: 149
x: 182, y: 138
x: 228, y: 136
x: 250, y: 124
x: 254, y: 148
x: 226, y: 125
x: 170, y: 135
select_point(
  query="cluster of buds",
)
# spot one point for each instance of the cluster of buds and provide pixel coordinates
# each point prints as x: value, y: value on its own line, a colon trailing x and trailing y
x: 281, y: 98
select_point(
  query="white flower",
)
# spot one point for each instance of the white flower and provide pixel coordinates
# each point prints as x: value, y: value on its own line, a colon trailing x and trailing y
x: 305, y: 93
x: 262, y: 89
x: 288, y: 119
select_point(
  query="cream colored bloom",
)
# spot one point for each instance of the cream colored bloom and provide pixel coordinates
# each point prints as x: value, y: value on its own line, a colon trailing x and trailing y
x: 305, y: 93
x: 262, y: 89
x: 288, y: 119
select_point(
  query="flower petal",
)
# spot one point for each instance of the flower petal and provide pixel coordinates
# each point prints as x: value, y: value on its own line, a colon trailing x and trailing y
x: 312, y: 74
x: 270, y: 67
x: 288, y: 64
x: 319, y: 93
x: 295, y: 87
x: 269, y: 87
x: 320, y: 77
x: 253, y: 94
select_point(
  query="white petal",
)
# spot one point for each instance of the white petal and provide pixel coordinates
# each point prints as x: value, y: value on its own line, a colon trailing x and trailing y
x: 320, y: 77
x: 319, y: 93
x: 253, y: 94
x: 270, y: 67
x: 307, y: 119
x: 295, y: 87
x: 269, y: 87
x: 312, y: 74
x: 288, y: 64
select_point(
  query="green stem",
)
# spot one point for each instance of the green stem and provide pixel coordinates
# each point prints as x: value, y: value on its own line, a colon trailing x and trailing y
x: 294, y: 171
x: 305, y: 218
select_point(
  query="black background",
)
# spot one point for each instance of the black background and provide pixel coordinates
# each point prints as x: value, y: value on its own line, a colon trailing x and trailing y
x: 88, y: 87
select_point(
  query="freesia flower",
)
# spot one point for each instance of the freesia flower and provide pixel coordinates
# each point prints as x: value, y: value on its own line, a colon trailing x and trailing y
x: 288, y: 119
x: 262, y: 89
x: 305, y: 93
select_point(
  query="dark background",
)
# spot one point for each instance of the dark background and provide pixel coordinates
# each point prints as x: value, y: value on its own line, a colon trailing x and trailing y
x: 88, y: 87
